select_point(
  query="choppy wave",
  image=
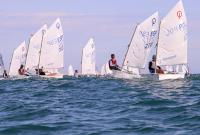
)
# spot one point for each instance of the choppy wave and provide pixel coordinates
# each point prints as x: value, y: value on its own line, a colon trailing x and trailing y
x: 100, y: 106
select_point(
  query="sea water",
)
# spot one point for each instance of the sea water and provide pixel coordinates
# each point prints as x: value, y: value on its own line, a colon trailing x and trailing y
x: 100, y: 106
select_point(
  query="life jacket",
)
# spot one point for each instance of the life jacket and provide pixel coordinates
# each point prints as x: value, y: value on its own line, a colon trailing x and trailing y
x: 112, y: 63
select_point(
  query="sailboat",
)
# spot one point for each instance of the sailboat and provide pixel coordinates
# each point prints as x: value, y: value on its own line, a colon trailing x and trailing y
x: 172, y: 44
x: 52, y: 51
x: 70, y: 71
x: 18, y: 59
x: 88, y: 62
x: 33, y: 52
x: 143, y: 40
x: 2, y: 68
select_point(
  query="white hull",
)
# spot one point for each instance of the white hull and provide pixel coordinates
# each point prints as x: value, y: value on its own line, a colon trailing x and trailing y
x: 124, y: 75
x: 52, y: 76
x: 171, y: 76
x: 89, y: 75
x: 162, y: 77
x: 19, y: 77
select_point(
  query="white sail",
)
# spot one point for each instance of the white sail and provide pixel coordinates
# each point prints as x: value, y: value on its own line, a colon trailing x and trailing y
x: 88, y: 63
x: 103, y: 70
x: 34, y: 47
x: 184, y: 69
x: 70, y: 71
x: 52, y: 52
x: 177, y: 67
x: 1, y: 65
x: 18, y: 59
x: 131, y: 70
x: 169, y: 68
x: 143, y: 40
x: 108, y: 71
x: 172, y: 45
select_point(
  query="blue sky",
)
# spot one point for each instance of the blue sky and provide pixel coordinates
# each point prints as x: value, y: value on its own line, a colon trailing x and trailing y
x: 110, y: 22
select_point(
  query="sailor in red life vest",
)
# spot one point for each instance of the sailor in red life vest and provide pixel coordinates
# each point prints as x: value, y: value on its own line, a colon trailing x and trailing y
x: 113, y: 63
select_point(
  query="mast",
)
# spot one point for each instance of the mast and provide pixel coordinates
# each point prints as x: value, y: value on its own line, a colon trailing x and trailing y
x: 1, y: 59
x: 28, y: 49
x: 3, y: 63
x: 11, y: 62
x: 82, y: 62
x: 43, y: 32
x: 2, y: 67
x: 157, y: 47
x: 129, y: 45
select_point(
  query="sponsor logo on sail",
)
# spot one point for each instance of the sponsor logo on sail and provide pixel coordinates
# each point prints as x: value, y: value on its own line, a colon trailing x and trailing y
x: 154, y: 21
x: 179, y: 14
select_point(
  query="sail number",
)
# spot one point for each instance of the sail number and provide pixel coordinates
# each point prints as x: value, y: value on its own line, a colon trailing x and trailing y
x: 56, y: 40
x: 146, y: 34
x: 61, y: 47
x: 176, y: 28
x: 148, y: 38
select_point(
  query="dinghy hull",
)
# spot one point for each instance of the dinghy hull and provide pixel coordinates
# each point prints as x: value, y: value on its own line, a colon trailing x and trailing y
x: 52, y: 76
x: 19, y: 77
x: 124, y: 75
x: 171, y: 76
x: 162, y: 77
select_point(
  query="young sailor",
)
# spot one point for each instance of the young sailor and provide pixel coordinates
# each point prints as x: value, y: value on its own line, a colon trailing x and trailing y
x: 5, y: 75
x: 76, y: 74
x: 113, y: 63
x: 22, y: 71
x: 41, y: 71
x: 152, y: 66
